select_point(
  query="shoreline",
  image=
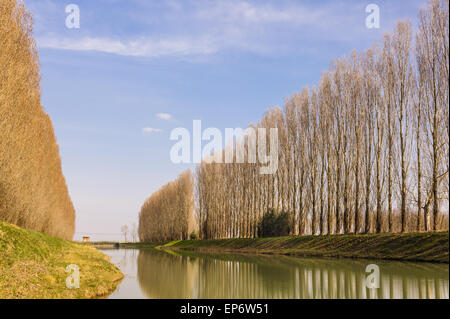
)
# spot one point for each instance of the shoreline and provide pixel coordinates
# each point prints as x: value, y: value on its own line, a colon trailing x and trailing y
x: 415, y: 247
x: 33, y: 265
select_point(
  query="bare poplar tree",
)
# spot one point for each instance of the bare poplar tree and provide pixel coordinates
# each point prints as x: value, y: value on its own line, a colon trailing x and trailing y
x: 347, y: 148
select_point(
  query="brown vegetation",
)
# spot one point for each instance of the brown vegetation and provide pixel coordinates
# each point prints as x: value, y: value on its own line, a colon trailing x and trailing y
x: 366, y: 151
x: 33, y: 191
x: 168, y: 213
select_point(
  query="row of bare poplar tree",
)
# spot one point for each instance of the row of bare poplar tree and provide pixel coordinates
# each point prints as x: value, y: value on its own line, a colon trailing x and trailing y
x: 33, y: 191
x: 169, y: 213
x: 367, y: 150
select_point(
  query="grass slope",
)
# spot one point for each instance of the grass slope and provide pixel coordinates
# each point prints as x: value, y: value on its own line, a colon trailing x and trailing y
x: 32, y: 265
x: 430, y: 247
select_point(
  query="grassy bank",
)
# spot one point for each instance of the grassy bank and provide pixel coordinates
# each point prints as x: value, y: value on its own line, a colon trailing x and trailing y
x: 429, y: 247
x: 33, y: 265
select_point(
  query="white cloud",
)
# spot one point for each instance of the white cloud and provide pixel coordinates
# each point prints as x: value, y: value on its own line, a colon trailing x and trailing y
x: 202, y: 28
x: 164, y: 116
x: 151, y: 130
x: 145, y: 47
x: 243, y: 12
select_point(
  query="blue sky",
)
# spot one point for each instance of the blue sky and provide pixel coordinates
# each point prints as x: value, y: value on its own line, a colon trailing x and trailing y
x: 136, y: 69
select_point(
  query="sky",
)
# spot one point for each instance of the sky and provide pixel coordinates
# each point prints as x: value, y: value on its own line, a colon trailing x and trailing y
x: 135, y: 69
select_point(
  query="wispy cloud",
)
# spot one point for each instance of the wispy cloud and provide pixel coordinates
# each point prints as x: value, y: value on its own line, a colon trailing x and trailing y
x: 243, y: 12
x: 145, y: 47
x: 204, y: 28
x: 190, y: 29
x: 164, y: 116
x: 151, y: 130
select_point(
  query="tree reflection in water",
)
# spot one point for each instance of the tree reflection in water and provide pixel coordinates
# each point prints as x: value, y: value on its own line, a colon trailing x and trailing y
x: 187, y: 275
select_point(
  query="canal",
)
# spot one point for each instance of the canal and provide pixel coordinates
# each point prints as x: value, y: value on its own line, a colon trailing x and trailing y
x: 151, y: 273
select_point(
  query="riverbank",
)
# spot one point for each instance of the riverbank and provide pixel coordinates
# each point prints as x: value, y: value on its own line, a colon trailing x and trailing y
x: 33, y: 265
x: 426, y: 247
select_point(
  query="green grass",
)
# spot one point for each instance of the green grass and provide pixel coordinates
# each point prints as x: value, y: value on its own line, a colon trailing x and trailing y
x: 142, y: 245
x: 33, y: 264
x: 429, y: 247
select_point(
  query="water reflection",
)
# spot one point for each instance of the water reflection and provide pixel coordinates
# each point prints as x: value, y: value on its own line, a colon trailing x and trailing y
x: 174, y: 275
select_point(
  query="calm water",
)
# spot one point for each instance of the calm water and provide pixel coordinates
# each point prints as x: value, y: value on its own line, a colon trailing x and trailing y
x: 151, y: 273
